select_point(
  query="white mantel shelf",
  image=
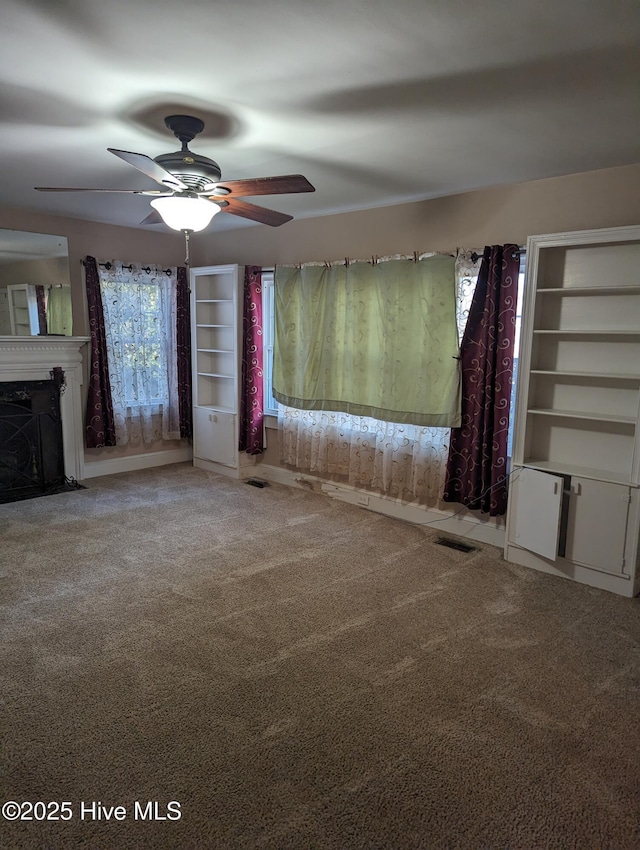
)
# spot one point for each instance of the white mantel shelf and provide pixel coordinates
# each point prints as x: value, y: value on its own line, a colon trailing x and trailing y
x: 31, y: 358
x: 35, y: 346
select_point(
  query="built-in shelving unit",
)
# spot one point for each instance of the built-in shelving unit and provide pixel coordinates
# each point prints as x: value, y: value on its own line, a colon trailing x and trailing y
x: 23, y: 309
x: 216, y: 336
x: 577, y: 420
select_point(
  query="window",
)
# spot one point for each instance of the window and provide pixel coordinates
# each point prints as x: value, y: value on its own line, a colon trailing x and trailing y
x: 466, y: 280
x: 516, y: 353
x: 139, y: 358
x: 270, y: 404
x: 139, y: 305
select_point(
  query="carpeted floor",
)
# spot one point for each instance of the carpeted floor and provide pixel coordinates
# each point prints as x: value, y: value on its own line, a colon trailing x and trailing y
x: 300, y: 673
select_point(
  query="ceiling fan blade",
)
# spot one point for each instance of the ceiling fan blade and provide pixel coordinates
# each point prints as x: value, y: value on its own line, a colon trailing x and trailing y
x: 150, y: 167
x: 154, y: 217
x: 283, y: 185
x: 251, y: 211
x: 154, y: 192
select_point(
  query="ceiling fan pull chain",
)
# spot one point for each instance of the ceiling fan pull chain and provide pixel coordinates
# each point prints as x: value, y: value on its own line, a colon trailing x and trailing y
x: 186, y: 248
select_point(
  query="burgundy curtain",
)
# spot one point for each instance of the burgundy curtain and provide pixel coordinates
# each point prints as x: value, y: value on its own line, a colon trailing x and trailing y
x: 252, y: 392
x: 41, y: 301
x: 183, y: 343
x: 99, y: 425
x: 477, y: 464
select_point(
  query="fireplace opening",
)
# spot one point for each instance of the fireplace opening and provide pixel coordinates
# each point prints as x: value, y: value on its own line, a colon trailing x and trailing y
x: 31, y: 444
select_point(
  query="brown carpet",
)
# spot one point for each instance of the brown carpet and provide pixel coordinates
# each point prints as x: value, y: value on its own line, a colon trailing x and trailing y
x: 301, y: 673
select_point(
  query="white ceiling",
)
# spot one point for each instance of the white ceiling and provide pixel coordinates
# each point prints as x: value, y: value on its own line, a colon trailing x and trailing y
x: 376, y: 102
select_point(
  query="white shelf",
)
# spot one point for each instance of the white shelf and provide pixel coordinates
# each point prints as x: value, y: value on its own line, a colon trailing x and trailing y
x: 587, y: 332
x: 594, y: 376
x: 580, y: 471
x: 215, y: 375
x: 217, y: 408
x: 200, y: 325
x: 590, y: 290
x: 577, y: 414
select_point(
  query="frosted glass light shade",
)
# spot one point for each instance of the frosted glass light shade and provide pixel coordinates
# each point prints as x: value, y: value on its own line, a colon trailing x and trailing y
x: 184, y: 213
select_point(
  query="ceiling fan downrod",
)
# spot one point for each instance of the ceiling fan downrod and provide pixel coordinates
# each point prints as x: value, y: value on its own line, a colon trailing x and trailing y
x: 184, y: 127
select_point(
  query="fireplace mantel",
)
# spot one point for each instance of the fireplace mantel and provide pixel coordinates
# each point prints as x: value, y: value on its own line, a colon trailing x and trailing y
x: 31, y: 358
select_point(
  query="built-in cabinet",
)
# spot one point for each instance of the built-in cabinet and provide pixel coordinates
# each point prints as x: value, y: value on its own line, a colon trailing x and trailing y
x: 574, y: 488
x: 216, y: 325
x: 23, y: 309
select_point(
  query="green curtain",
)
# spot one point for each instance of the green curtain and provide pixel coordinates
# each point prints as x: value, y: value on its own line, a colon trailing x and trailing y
x: 370, y: 339
x: 59, y: 311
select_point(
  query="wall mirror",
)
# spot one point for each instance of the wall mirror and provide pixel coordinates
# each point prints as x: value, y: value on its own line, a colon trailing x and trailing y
x: 35, y: 286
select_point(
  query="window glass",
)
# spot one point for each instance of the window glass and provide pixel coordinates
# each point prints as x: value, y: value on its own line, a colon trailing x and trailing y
x: 516, y: 354
x: 270, y: 404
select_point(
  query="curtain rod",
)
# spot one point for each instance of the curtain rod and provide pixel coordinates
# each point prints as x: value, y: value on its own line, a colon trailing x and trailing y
x: 521, y: 250
x: 108, y: 266
x: 373, y: 260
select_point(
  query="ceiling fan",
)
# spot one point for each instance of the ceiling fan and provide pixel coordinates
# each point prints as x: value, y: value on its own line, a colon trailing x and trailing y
x: 193, y: 189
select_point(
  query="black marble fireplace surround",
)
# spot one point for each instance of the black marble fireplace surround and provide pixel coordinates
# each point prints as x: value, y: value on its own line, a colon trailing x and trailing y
x: 31, y: 445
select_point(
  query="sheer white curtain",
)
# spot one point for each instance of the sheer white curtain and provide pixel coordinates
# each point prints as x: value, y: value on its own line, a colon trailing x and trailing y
x: 406, y: 462
x: 139, y: 304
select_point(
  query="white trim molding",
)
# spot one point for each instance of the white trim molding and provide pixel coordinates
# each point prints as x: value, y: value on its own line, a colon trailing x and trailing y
x: 458, y: 521
x: 31, y: 358
x: 130, y: 463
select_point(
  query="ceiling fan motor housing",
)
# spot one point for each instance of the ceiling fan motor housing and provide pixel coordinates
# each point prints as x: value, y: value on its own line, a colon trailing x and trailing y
x: 193, y: 169
x: 196, y: 171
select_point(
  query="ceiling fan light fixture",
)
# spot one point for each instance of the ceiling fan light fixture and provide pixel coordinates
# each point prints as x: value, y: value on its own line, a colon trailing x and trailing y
x: 184, y: 212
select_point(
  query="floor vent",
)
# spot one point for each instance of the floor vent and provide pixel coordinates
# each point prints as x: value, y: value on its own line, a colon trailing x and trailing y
x: 455, y: 544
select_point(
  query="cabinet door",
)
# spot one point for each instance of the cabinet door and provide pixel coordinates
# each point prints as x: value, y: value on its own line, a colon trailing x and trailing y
x: 214, y: 436
x: 535, y: 514
x: 597, y: 524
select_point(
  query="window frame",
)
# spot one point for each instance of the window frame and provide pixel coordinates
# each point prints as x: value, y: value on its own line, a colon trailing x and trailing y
x: 270, y: 405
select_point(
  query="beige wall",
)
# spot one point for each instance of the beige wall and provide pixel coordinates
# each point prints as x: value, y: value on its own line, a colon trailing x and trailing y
x: 98, y: 240
x: 50, y: 272
x: 607, y: 198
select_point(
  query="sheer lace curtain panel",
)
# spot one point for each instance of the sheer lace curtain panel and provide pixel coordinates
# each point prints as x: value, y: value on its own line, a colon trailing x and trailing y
x: 139, y: 305
x: 400, y: 460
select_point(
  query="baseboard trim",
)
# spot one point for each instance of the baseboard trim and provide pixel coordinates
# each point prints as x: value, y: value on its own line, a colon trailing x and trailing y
x: 111, y: 466
x: 620, y: 584
x: 462, y: 524
x: 243, y: 469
